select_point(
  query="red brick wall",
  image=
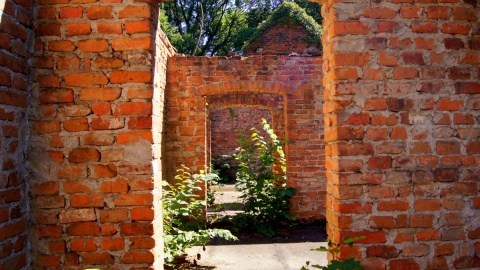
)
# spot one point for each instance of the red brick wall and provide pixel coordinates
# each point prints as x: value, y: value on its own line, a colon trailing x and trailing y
x: 283, y: 38
x: 15, y: 35
x: 95, y: 152
x: 289, y: 86
x: 402, y: 113
x: 226, y: 125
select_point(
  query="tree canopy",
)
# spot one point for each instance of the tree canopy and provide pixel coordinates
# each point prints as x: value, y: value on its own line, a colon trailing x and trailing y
x: 217, y: 27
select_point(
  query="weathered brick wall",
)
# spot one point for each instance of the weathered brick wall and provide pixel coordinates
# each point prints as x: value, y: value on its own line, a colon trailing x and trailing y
x: 402, y: 113
x: 289, y: 86
x: 228, y: 122
x: 15, y: 35
x: 97, y: 83
x: 283, y: 38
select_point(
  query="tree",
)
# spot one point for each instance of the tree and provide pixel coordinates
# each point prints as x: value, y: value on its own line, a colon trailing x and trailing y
x: 217, y: 27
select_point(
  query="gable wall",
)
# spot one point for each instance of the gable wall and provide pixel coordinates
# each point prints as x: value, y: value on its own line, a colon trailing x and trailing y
x: 294, y: 39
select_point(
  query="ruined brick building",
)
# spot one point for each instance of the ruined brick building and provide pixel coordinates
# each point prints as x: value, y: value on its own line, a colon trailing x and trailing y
x: 85, y: 130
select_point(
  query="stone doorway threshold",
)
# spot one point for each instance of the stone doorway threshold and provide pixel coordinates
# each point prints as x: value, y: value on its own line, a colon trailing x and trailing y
x: 289, y: 250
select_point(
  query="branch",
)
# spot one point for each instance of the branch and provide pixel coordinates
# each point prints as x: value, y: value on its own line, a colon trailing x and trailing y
x: 201, y: 29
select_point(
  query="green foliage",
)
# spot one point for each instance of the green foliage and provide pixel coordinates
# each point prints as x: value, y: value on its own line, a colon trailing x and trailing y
x: 227, y: 24
x: 215, y: 31
x: 348, y: 264
x: 263, y: 188
x: 292, y: 11
x: 184, y: 223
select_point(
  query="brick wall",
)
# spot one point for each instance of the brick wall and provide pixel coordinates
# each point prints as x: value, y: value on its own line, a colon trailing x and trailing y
x: 97, y: 83
x: 15, y: 35
x: 289, y: 86
x: 226, y: 124
x: 402, y: 127
x: 283, y: 38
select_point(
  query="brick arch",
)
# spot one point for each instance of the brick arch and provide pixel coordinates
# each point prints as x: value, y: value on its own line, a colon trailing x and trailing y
x: 242, y: 86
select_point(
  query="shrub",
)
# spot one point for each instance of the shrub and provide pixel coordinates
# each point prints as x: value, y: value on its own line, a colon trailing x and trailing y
x: 184, y: 223
x: 261, y: 179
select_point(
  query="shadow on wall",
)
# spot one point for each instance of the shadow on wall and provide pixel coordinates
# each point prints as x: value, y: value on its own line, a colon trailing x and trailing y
x: 226, y: 125
x: 15, y: 24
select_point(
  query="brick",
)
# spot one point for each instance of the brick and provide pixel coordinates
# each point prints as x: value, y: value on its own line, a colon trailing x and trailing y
x: 134, y: 200
x: 427, y: 205
x: 408, y: 12
x: 81, y: 155
x: 428, y: 235
x: 92, y: 94
x: 50, y: 126
x: 344, y: 28
x: 93, y: 45
x: 131, y: 77
x: 107, y: 123
x: 400, y: 73
x: 77, y: 215
x: 61, y: 46
x: 103, y: 171
x: 75, y: 110
x: 465, y: 14
x: 467, y: 88
x: 395, y: 205
x: 64, y: 63
x: 133, y: 108
x: 446, y: 175
x: 473, y: 148
x: 113, y: 216
x: 143, y: 214
x: 138, y: 27
x: 76, y: 125
x: 421, y: 221
x: 456, y: 28
x: 45, y: 188
x: 124, y: 44
x: 437, y: 12
x: 112, y: 244
x: 72, y: 171
x: 136, y: 229
x: 81, y: 201
x: 98, y: 139
x: 85, y: 79
x: 137, y: 257
x: 71, y: 12
x: 112, y: 63
x: 83, y: 229
x: 141, y: 243
x: 100, y: 12
x: 109, y: 28
x: 48, y: 29
x: 102, y: 108
x: 135, y: 12
x: 424, y: 27
x: 75, y: 187
x: 77, y: 29
x: 83, y: 245
x: 449, y: 105
x: 467, y: 262
x: 415, y: 251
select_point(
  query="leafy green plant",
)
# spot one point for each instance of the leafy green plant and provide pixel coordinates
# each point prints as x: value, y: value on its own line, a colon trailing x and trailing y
x: 261, y: 179
x: 184, y: 223
x: 334, y: 249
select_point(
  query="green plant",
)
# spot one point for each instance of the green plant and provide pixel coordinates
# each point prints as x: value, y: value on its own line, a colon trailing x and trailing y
x: 184, y: 223
x: 334, y: 249
x: 261, y: 179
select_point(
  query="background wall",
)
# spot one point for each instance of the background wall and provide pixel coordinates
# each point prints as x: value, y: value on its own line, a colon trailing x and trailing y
x: 15, y: 37
x: 402, y: 113
x: 289, y: 86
